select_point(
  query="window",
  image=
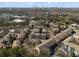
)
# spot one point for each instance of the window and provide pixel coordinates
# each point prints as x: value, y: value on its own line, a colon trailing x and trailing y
x: 72, y: 52
x: 62, y: 45
x: 67, y: 48
x: 76, y: 53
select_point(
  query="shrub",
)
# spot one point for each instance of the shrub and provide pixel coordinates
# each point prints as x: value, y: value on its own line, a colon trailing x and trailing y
x: 45, y: 52
x: 13, y: 52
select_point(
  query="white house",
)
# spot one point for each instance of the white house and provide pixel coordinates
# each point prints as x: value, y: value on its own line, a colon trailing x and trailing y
x: 18, y: 20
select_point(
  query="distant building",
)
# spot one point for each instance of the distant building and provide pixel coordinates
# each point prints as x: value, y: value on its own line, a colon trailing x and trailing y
x: 75, y: 25
x: 39, y: 36
x: 39, y: 33
x: 18, y: 20
x: 32, y: 22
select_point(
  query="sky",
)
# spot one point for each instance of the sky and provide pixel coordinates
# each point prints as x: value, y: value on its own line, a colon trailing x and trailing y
x: 39, y: 4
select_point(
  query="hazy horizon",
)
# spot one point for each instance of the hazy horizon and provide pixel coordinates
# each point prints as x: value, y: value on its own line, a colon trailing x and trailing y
x: 39, y: 4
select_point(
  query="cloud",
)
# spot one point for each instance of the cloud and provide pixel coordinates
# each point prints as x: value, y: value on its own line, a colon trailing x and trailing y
x: 49, y: 2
